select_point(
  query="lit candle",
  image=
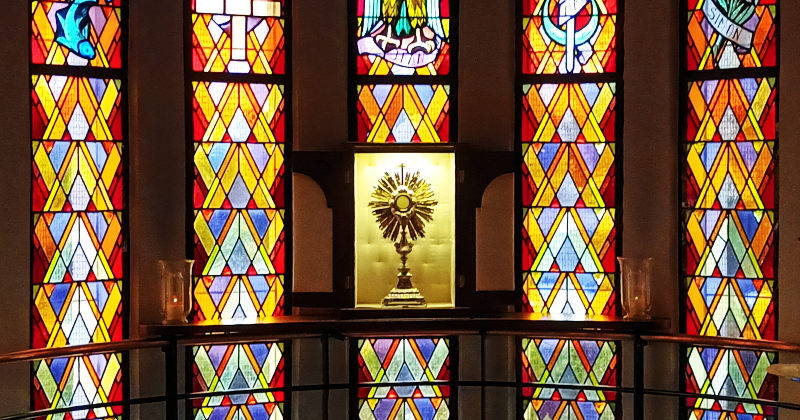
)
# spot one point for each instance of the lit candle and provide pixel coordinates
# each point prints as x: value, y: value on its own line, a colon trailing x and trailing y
x: 637, y: 308
x: 175, y: 310
x: 175, y: 288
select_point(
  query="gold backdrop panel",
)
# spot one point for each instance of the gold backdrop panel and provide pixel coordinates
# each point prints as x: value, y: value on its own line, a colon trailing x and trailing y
x: 432, y: 261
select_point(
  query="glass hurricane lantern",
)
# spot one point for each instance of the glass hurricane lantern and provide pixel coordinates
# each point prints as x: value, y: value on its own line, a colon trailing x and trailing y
x: 176, y: 302
x: 635, y: 273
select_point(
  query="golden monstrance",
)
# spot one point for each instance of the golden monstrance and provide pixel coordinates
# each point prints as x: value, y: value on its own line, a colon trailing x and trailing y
x: 402, y: 204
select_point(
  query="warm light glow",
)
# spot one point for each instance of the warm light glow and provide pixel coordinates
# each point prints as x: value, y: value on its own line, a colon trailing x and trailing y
x: 433, y: 261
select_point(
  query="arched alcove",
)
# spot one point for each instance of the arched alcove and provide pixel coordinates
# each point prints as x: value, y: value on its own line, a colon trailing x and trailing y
x: 494, y: 236
x: 313, y: 237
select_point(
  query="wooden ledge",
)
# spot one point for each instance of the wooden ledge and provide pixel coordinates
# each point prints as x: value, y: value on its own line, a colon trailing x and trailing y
x: 353, y: 325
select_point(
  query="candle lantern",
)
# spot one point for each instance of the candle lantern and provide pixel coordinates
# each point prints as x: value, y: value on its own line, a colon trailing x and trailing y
x: 176, y: 289
x: 635, y: 281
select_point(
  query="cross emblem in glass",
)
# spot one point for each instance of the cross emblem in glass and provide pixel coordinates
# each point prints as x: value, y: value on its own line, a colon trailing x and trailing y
x: 232, y: 16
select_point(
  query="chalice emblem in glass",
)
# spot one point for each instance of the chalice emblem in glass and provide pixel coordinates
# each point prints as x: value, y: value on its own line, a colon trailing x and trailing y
x: 402, y: 204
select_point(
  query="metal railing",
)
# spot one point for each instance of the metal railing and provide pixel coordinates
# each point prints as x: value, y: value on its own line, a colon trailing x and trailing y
x: 169, y: 337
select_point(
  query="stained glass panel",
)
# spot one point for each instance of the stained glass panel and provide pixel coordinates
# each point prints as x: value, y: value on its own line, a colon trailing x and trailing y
x: 403, y: 113
x: 730, y: 35
x: 238, y: 175
x: 557, y: 408
x: 732, y: 110
x: 79, y: 33
x: 77, y: 313
x: 222, y: 368
x: 76, y: 108
x: 239, y: 242
x: 403, y: 38
x: 68, y: 382
x: 238, y: 112
x: 77, y: 176
x: 272, y: 8
x: 234, y: 36
x: 69, y: 247
x: 732, y: 373
x: 731, y: 307
x: 568, y: 135
x: 239, y: 200
x: 238, y: 297
x: 731, y: 175
x: 568, y: 174
x: 569, y: 240
x: 238, y: 197
x: 729, y: 202
x: 550, y: 361
x: 729, y: 195
x: 569, y: 37
x: 404, y: 360
x: 736, y: 244
x: 584, y: 113
x: 569, y: 293
x: 714, y: 414
x: 78, y: 201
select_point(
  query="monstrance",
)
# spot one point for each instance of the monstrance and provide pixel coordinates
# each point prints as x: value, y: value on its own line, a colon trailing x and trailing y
x: 402, y: 204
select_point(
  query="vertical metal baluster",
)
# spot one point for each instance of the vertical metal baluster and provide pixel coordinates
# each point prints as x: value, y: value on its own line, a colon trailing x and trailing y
x: 171, y: 378
x: 326, y: 375
x: 483, y: 375
x: 638, y: 377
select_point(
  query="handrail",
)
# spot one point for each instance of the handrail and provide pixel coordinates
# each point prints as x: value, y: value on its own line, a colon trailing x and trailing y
x: 292, y: 327
x: 31, y: 355
x: 724, y: 342
x: 352, y: 386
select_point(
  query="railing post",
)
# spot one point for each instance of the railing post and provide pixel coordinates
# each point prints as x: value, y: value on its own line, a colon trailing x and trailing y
x: 483, y: 375
x: 326, y: 375
x: 638, y: 377
x: 171, y: 377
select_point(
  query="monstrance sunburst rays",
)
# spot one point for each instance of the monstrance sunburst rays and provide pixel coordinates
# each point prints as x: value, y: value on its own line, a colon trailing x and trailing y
x: 403, y: 204
x: 403, y: 201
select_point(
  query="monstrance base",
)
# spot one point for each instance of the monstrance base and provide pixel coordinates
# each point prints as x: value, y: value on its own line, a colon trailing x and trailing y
x: 404, y: 297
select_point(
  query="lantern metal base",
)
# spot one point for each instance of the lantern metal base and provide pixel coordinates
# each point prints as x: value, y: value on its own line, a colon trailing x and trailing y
x: 174, y: 321
x: 404, y: 297
x: 638, y: 317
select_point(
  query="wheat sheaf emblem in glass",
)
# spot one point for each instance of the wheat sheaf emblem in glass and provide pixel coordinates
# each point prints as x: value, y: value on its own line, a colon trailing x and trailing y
x: 402, y: 205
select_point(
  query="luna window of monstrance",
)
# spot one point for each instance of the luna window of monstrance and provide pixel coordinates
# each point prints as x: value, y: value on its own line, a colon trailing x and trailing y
x: 402, y: 205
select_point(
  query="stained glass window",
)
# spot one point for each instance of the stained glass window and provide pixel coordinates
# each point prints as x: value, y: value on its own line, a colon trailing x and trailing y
x: 591, y: 363
x: 399, y: 360
x: 729, y: 203
x: 568, y: 142
x: 239, y: 139
x: 79, y: 202
x: 732, y: 373
x: 248, y: 366
x: 97, y: 44
x: 562, y: 37
x: 231, y: 36
x: 404, y: 113
x: 731, y: 34
x: 403, y: 37
x: 404, y: 87
x: 405, y: 82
